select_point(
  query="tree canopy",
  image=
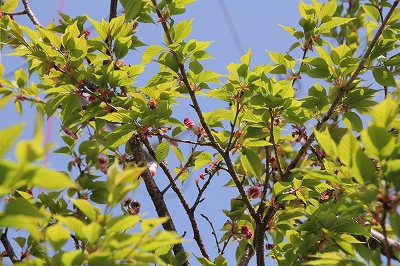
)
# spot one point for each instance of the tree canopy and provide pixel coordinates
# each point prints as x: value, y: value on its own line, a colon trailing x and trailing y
x: 311, y: 179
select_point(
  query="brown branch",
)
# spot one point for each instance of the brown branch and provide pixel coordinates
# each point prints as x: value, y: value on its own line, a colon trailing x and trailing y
x: 196, y: 231
x: 184, y: 140
x: 272, y: 140
x: 341, y: 94
x: 18, y: 13
x: 113, y: 9
x: 213, y: 232
x: 247, y: 254
x: 201, y: 191
x: 153, y: 190
x: 30, y: 14
x: 9, y: 249
x: 203, y: 122
x: 184, y: 168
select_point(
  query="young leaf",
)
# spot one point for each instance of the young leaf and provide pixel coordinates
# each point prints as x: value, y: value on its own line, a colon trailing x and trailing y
x: 384, y: 77
x: 162, y: 151
x: 327, y: 143
x: 57, y: 235
x: 182, y: 30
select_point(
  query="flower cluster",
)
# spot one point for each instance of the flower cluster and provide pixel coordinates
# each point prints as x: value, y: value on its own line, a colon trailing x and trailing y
x: 246, y: 231
x: 133, y: 205
x: 103, y: 161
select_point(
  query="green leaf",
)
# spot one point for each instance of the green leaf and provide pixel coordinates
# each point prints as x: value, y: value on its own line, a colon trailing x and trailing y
x: 57, y: 235
x: 122, y: 223
x: 75, y: 257
x: 92, y: 232
x: 121, y: 47
x: 394, y: 219
x: 378, y: 142
x: 162, y: 151
x: 329, y: 8
x: 101, y: 27
x: 120, y: 135
x: 51, y: 179
x: 251, y: 162
x: 336, y: 21
x: 86, y: 208
x: 76, y: 225
x: 9, y: 5
x: 353, y: 121
x: 383, y: 76
x: 8, y: 136
x: 182, y: 30
x: 327, y: 143
x: 372, y: 11
x: 385, y: 113
x: 150, y: 53
x: 178, y: 153
x: 202, y: 159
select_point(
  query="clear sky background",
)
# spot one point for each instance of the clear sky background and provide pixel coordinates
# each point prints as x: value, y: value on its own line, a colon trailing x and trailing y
x: 255, y: 24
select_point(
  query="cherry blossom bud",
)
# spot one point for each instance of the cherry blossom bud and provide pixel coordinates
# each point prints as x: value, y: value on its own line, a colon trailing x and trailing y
x: 103, y: 159
x: 126, y: 201
x: 189, y: 123
x: 153, y: 168
x: 104, y: 168
x: 254, y: 192
x: 134, y: 207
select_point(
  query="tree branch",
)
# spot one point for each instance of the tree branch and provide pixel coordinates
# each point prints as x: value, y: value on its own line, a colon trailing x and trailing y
x: 113, y: 9
x: 203, y: 122
x: 30, y: 14
x: 7, y: 245
x: 153, y: 190
x: 247, y: 254
x: 196, y: 231
x: 341, y: 94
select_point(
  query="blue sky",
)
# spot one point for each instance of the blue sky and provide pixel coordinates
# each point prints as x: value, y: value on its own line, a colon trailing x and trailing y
x: 256, y: 24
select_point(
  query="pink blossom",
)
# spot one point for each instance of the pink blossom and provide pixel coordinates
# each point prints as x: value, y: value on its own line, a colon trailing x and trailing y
x: 104, y: 168
x: 103, y: 159
x: 246, y: 231
x: 153, y: 168
x: 189, y: 123
x: 254, y: 192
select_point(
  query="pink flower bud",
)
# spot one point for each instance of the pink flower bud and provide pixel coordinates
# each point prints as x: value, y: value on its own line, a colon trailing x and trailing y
x: 87, y: 33
x: 189, y: 123
x: 104, y: 168
x: 153, y: 168
x: 254, y: 192
x: 103, y: 159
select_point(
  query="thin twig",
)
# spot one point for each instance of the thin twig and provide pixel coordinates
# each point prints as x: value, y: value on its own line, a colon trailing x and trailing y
x: 341, y: 94
x: 30, y: 14
x: 213, y: 232
x: 201, y: 191
x: 18, y: 13
x: 184, y: 140
x: 272, y: 140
